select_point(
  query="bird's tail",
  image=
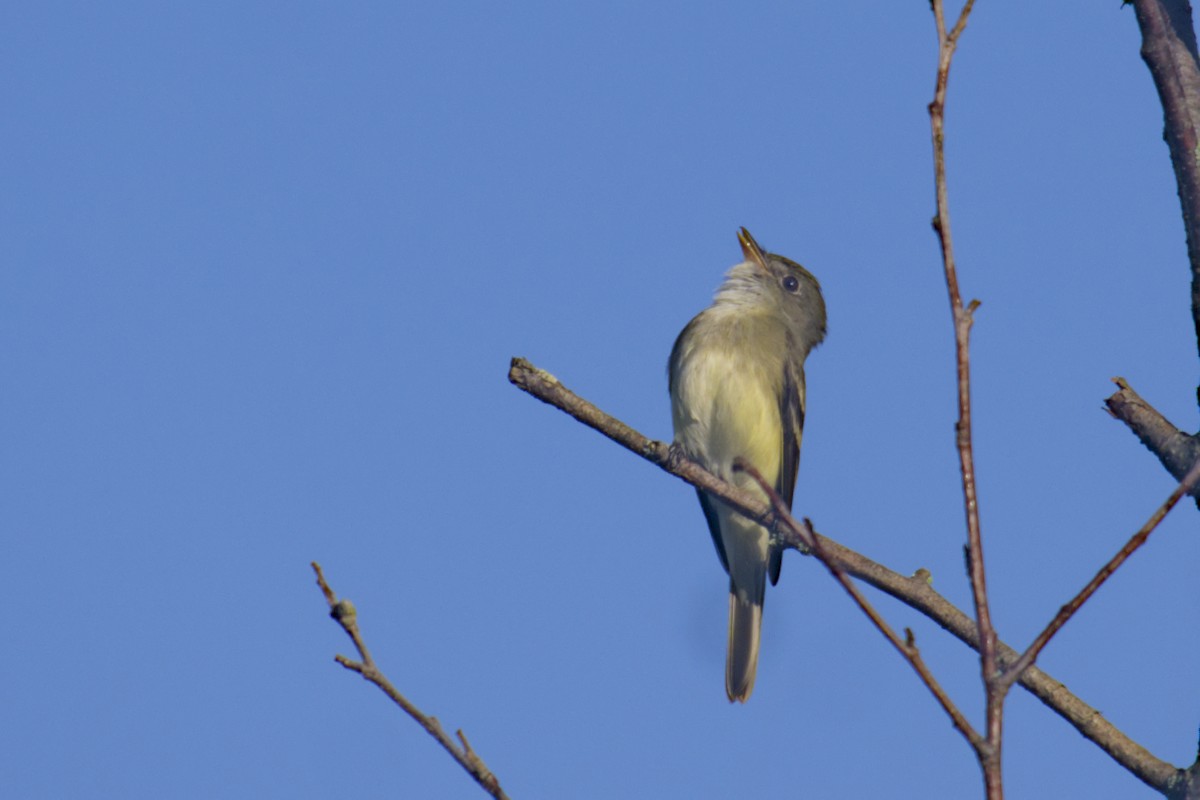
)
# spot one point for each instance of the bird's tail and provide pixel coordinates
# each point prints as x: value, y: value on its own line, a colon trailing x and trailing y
x: 745, y: 622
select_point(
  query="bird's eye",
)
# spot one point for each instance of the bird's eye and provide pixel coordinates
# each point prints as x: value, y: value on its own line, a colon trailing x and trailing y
x: 790, y: 283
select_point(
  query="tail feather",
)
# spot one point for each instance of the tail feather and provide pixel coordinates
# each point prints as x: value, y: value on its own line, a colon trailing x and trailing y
x: 745, y: 622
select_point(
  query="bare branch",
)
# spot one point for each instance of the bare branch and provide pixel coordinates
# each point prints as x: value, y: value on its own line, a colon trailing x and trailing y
x: 963, y: 316
x: 343, y: 611
x: 915, y: 591
x: 906, y: 647
x: 547, y: 388
x: 1175, y: 449
x: 1169, y: 50
x: 1066, y: 612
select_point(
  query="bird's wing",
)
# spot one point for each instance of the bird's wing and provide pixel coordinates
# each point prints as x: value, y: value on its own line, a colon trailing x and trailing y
x: 714, y: 525
x: 791, y: 415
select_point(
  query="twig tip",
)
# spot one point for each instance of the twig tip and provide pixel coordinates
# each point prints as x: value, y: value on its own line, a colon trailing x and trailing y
x: 330, y: 597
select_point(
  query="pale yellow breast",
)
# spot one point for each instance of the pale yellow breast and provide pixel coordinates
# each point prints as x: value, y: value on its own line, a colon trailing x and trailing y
x: 726, y: 400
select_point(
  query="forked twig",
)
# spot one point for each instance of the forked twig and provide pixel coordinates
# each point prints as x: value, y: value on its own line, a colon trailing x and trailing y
x: 344, y: 612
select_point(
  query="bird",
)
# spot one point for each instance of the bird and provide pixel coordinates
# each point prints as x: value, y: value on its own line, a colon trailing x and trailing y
x: 736, y: 381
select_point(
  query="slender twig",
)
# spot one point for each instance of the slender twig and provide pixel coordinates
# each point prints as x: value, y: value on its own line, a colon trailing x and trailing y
x: 1066, y: 612
x: 963, y: 317
x: 989, y: 756
x: 343, y: 611
x: 915, y: 591
x: 907, y: 647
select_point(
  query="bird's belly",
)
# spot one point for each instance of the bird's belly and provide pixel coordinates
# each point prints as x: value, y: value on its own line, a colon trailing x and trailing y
x: 732, y: 412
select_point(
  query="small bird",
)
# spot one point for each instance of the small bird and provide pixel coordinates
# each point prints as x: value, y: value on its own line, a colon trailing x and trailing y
x: 736, y: 377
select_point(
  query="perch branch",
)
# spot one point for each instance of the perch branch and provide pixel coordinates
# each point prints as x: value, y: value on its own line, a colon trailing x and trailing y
x: 914, y: 591
x: 907, y: 647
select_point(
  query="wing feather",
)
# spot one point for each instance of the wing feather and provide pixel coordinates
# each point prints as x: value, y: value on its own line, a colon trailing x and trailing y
x: 791, y: 415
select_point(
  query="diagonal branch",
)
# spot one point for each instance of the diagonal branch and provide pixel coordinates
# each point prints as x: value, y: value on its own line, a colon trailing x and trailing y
x: 914, y: 591
x: 1176, y: 449
x: 907, y: 647
x: 1066, y: 612
x: 343, y: 611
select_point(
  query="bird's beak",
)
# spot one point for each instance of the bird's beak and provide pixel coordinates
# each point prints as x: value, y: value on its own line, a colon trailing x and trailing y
x: 750, y: 249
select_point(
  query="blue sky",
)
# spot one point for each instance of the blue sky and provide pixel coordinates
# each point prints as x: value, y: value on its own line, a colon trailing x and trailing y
x: 266, y: 265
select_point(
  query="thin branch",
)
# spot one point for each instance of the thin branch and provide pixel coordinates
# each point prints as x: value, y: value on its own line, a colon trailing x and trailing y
x: 963, y: 316
x: 906, y: 647
x: 915, y: 591
x: 343, y: 611
x: 1066, y: 612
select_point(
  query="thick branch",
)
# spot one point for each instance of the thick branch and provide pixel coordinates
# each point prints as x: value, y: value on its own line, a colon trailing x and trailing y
x: 1175, y: 449
x: 914, y: 591
x: 1169, y: 50
x: 345, y: 615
